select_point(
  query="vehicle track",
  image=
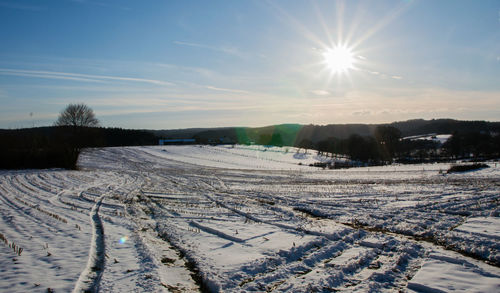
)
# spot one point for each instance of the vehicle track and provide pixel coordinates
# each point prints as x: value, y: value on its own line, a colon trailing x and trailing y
x: 90, y: 277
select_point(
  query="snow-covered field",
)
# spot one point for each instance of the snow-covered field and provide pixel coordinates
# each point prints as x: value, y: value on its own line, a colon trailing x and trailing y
x: 224, y: 219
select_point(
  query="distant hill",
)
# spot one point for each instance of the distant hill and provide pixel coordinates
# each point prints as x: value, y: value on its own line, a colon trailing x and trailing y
x: 50, y: 147
x: 181, y: 133
x: 286, y: 134
x: 294, y: 133
x: 443, y: 126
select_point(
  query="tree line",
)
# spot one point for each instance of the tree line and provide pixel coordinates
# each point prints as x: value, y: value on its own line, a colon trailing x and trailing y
x: 387, y: 145
x: 59, y: 146
x: 378, y: 148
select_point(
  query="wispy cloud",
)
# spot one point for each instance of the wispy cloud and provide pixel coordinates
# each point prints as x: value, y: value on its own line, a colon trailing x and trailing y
x: 222, y: 49
x: 79, y: 76
x: 47, y: 76
x: 198, y: 70
x: 362, y: 113
x: 381, y: 74
x: 226, y: 90
x: 320, y: 92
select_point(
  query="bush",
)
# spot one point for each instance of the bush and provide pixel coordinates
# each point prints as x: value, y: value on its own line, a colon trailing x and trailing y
x: 468, y: 167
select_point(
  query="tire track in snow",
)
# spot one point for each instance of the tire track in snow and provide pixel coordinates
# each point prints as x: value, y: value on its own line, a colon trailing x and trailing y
x: 436, y: 240
x: 182, y: 264
x: 368, y: 267
x: 91, y: 275
x: 277, y: 271
x: 297, y: 262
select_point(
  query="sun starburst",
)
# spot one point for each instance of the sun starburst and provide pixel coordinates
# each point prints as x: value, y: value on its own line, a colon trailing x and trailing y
x: 339, y: 59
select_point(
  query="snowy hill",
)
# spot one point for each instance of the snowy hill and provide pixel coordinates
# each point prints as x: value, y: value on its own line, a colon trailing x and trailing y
x: 241, y: 156
x: 223, y: 219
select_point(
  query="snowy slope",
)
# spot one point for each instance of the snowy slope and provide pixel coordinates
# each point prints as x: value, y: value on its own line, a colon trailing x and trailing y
x: 240, y: 156
x: 186, y: 218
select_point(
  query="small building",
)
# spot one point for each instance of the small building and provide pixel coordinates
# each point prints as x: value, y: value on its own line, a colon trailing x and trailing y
x: 174, y: 141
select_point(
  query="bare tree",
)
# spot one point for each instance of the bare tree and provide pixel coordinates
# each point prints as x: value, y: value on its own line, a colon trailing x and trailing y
x: 77, y: 130
x: 77, y: 115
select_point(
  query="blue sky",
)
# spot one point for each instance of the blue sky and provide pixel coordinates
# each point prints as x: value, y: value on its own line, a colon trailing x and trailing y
x: 178, y: 64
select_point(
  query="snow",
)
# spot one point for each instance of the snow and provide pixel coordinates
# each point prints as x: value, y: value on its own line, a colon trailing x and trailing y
x: 240, y: 156
x: 247, y: 218
x: 441, y: 138
x: 488, y: 226
x: 445, y: 272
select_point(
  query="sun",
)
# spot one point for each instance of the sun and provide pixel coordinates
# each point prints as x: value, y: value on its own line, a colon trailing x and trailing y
x: 339, y: 59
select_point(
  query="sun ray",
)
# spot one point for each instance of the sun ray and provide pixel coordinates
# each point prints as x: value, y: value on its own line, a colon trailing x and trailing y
x: 323, y: 23
x: 302, y: 29
x: 354, y: 23
x: 388, y: 19
x: 340, y: 21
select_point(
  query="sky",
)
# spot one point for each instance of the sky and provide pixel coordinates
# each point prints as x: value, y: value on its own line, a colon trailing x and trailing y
x: 161, y: 64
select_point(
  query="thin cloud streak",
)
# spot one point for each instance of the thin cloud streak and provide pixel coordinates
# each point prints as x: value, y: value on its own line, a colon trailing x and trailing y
x: 78, y: 76
x: 227, y: 90
x: 48, y: 76
x: 198, y: 70
x: 177, y: 109
x: 320, y: 92
x: 227, y: 50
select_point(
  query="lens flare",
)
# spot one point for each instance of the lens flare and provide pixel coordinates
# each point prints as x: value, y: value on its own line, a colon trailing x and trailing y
x: 123, y: 239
